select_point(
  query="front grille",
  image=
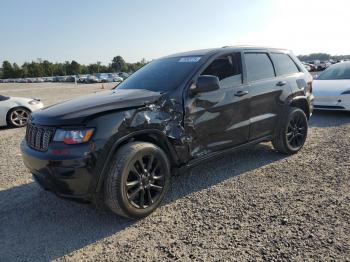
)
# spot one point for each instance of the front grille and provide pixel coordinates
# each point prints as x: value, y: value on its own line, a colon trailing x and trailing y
x: 39, y: 137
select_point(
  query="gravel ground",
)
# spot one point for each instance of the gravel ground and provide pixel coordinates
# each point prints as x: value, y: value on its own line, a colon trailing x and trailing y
x: 254, y: 204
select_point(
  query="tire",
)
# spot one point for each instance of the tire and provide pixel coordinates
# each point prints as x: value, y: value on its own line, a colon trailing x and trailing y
x: 18, y: 117
x: 130, y: 191
x: 291, y: 132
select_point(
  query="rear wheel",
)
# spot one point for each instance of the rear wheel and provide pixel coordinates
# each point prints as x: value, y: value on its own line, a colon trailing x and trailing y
x: 292, y: 132
x: 138, y: 180
x: 18, y: 117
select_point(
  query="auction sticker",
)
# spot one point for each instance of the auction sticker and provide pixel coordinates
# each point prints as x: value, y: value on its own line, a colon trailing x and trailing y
x: 190, y: 59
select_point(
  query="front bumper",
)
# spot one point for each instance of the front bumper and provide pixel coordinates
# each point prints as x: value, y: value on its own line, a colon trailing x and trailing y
x: 60, y: 171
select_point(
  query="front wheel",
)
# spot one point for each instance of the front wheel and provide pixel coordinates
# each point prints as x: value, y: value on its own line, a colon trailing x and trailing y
x: 292, y: 132
x: 138, y: 180
x: 18, y: 117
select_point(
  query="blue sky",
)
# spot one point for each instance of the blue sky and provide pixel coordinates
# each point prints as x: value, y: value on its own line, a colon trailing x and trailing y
x: 90, y: 31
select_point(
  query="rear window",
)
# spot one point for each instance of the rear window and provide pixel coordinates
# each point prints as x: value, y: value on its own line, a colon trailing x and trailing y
x: 284, y: 64
x: 259, y: 66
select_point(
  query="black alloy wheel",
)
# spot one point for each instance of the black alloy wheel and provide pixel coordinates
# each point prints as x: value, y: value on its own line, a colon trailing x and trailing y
x: 145, y: 181
x: 291, y: 132
x: 296, y: 131
x: 138, y: 179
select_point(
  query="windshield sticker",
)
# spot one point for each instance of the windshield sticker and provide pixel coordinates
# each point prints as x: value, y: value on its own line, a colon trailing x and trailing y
x: 193, y: 59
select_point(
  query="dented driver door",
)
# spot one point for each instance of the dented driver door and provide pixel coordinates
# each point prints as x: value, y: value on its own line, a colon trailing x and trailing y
x: 217, y: 120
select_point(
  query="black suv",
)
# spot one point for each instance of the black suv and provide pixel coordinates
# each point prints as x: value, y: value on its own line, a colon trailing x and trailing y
x: 119, y: 147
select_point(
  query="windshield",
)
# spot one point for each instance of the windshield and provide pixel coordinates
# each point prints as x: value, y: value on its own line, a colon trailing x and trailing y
x: 338, y: 71
x: 161, y: 75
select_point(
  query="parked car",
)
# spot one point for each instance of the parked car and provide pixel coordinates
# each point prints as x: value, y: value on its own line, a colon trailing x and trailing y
x: 24, y: 80
x: 323, y: 65
x: 313, y: 68
x: 102, y: 77
x: 174, y: 113
x: 307, y: 66
x: 82, y: 78
x: 332, y: 88
x: 315, y: 65
x: 123, y: 75
x: 39, y: 80
x: 114, y: 78
x: 15, y: 111
x: 90, y: 79
x: 70, y: 79
x: 59, y: 79
x: 48, y: 79
x: 108, y: 77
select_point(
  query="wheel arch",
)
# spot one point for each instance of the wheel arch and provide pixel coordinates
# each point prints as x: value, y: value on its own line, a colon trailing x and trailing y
x: 302, y: 103
x: 152, y: 136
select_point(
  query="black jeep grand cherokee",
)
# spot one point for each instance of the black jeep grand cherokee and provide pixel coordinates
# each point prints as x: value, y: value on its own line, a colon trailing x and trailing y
x: 119, y: 147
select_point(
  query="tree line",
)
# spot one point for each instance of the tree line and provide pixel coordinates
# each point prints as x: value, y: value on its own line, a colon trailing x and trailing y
x: 322, y: 57
x: 41, y: 68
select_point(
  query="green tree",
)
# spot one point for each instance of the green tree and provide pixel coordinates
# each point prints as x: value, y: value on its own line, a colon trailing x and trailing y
x: 118, y: 64
x: 47, y: 67
x: 7, y: 70
x: 92, y: 68
x: 16, y: 71
x: 42, y: 67
x: 74, y: 68
x: 315, y: 56
x: 35, y: 69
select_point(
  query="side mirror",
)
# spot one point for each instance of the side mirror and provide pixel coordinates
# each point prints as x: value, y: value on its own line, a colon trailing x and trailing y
x: 206, y: 83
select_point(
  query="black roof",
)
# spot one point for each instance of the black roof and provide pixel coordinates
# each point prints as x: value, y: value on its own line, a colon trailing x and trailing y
x: 211, y: 51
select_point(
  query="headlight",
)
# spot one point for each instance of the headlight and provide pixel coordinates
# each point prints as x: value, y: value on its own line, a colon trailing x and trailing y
x: 34, y: 102
x: 72, y: 137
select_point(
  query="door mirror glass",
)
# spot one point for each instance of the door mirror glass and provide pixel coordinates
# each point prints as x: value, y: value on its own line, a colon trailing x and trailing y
x: 206, y: 83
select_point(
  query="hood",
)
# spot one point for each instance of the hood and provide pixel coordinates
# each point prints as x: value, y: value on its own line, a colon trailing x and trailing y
x: 330, y: 87
x: 20, y: 99
x: 75, y: 111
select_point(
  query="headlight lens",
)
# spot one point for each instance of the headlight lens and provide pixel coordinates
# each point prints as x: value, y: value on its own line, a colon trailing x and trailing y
x: 34, y: 102
x: 71, y: 137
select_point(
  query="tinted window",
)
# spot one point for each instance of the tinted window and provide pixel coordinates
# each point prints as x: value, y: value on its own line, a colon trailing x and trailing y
x: 259, y: 66
x: 161, y: 75
x: 338, y: 71
x: 284, y: 64
x: 3, y: 98
x: 227, y: 69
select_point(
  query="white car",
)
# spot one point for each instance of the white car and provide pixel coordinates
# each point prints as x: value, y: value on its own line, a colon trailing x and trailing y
x: 332, y: 88
x: 15, y: 111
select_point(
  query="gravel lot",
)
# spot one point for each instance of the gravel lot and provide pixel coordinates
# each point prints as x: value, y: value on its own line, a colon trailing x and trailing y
x: 252, y: 205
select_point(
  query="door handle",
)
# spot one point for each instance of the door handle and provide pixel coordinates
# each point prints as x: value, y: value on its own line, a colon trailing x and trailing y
x: 281, y: 83
x: 241, y: 93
